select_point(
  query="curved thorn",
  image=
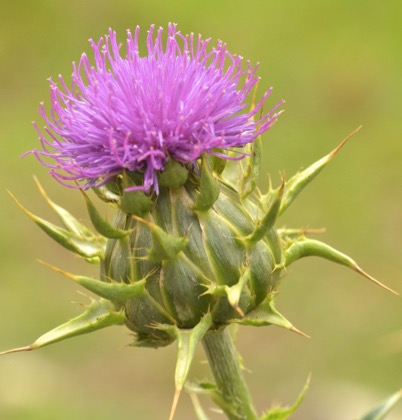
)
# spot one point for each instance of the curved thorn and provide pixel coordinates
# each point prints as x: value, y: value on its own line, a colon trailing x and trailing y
x: 312, y: 247
x: 297, y: 331
x: 17, y: 350
x: 343, y: 142
x: 363, y: 273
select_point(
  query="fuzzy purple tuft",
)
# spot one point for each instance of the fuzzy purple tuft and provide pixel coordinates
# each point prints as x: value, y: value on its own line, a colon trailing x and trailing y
x: 134, y: 113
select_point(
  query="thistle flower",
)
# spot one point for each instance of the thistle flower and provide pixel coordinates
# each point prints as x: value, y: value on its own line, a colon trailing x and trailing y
x: 135, y: 113
x: 168, y: 140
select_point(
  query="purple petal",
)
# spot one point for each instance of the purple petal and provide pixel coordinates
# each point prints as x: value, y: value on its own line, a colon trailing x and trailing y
x: 179, y: 101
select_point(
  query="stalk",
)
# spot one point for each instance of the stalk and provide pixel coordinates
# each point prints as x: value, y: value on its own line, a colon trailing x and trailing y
x: 228, y: 375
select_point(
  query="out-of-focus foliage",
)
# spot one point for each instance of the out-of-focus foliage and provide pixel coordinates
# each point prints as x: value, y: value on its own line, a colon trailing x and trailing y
x: 381, y: 410
x: 337, y: 64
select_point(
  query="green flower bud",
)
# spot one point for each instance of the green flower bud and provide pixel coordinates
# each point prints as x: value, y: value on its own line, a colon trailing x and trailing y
x: 201, y: 254
x: 217, y: 257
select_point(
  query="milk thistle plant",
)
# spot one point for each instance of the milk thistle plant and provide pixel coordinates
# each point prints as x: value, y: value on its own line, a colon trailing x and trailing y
x: 172, y: 140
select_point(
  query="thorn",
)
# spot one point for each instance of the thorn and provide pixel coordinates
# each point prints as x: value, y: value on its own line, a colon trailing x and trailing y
x: 141, y: 220
x: 363, y: 273
x: 269, y: 183
x: 239, y: 310
x: 174, y: 405
x: 28, y: 213
x: 343, y: 142
x: 17, y: 350
x: 283, y: 179
x: 56, y: 269
x: 297, y: 331
x: 39, y: 186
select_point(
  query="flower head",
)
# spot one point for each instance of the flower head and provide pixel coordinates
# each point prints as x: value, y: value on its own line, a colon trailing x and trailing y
x: 136, y: 112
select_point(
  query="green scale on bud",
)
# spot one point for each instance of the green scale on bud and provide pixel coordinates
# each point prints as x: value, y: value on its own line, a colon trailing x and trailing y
x: 202, y: 254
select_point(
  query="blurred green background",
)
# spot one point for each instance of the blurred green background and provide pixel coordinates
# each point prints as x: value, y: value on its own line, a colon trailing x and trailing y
x: 338, y: 65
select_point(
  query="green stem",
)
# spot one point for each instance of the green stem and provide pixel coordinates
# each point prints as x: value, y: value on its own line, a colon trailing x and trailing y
x: 228, y: 375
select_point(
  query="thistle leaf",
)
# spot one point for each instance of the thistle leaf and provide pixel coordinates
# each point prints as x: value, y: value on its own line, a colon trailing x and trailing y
x: 91, y: 248
x: 267, y: 314
x: 311, y: 247
x: 116, y: 292
x: 99, y: 314
x: 69, y: 221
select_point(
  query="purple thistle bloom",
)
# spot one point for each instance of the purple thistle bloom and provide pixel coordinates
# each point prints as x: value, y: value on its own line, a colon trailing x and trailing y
x: 135, y: 113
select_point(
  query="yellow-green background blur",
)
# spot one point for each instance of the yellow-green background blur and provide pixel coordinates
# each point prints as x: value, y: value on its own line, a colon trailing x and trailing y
x: 338, y: 64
